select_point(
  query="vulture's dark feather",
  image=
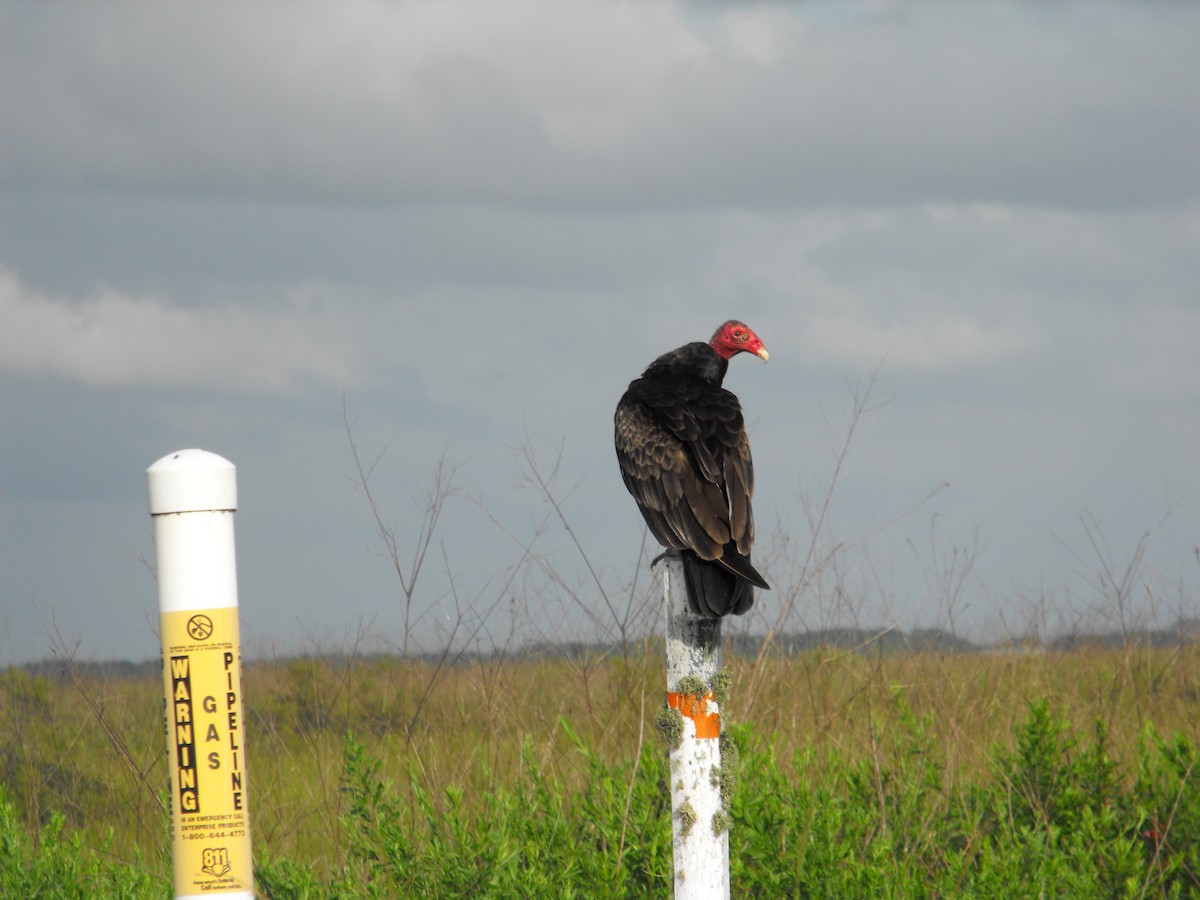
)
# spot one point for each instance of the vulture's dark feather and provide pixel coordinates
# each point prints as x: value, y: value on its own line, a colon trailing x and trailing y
x: 684, y: 456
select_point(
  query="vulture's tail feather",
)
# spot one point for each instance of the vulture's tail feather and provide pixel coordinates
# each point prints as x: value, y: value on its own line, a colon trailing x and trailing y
x: 714, y: 591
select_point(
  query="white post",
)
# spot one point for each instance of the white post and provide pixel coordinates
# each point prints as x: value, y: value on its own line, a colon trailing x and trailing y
x: 700, y: 823
x: 192, y: 498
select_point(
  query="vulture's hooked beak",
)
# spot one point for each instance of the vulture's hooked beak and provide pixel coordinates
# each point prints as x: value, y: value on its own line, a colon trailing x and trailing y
x: 762, y: 351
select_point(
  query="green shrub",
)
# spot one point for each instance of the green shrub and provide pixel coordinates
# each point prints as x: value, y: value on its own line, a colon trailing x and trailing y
x: 950, y: 786
x: 55, y: 864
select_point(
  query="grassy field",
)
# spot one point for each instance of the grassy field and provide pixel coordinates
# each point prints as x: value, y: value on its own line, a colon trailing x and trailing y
x: 862, y: 774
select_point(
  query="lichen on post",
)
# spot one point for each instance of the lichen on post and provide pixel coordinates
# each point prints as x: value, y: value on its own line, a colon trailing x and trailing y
x: 694, y: 681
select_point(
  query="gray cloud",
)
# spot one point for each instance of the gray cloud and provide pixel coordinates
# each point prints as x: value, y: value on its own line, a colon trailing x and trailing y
x: 111, y: 339
x: 708, y: 105
x: 479, y: 222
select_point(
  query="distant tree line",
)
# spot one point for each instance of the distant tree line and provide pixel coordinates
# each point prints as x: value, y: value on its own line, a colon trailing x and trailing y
x: 867, y: 641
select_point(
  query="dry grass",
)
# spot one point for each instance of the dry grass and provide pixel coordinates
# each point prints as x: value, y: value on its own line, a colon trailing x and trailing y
x: 468, y: 725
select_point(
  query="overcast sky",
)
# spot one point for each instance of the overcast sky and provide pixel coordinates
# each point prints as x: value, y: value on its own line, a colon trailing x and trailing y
x: 471, y: 224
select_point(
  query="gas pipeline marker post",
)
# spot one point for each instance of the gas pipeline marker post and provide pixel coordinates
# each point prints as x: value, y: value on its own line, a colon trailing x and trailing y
x: 192, y: 497
x: 699, y: 818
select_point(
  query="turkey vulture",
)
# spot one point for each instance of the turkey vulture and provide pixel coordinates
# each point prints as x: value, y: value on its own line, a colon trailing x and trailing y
x: 685, y: 458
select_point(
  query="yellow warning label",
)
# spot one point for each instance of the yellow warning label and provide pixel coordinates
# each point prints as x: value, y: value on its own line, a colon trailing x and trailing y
x: 202, y: 690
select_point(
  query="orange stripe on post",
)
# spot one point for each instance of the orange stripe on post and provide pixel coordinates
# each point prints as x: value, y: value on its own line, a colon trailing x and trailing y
x: 708, y: 724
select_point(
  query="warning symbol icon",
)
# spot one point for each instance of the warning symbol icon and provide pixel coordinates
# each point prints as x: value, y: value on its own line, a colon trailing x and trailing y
x: 200, y: 628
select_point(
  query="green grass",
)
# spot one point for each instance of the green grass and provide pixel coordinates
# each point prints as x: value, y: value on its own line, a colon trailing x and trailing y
x: 900, y: 775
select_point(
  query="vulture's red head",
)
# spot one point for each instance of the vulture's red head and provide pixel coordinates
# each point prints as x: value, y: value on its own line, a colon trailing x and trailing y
x: 736, y: 337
